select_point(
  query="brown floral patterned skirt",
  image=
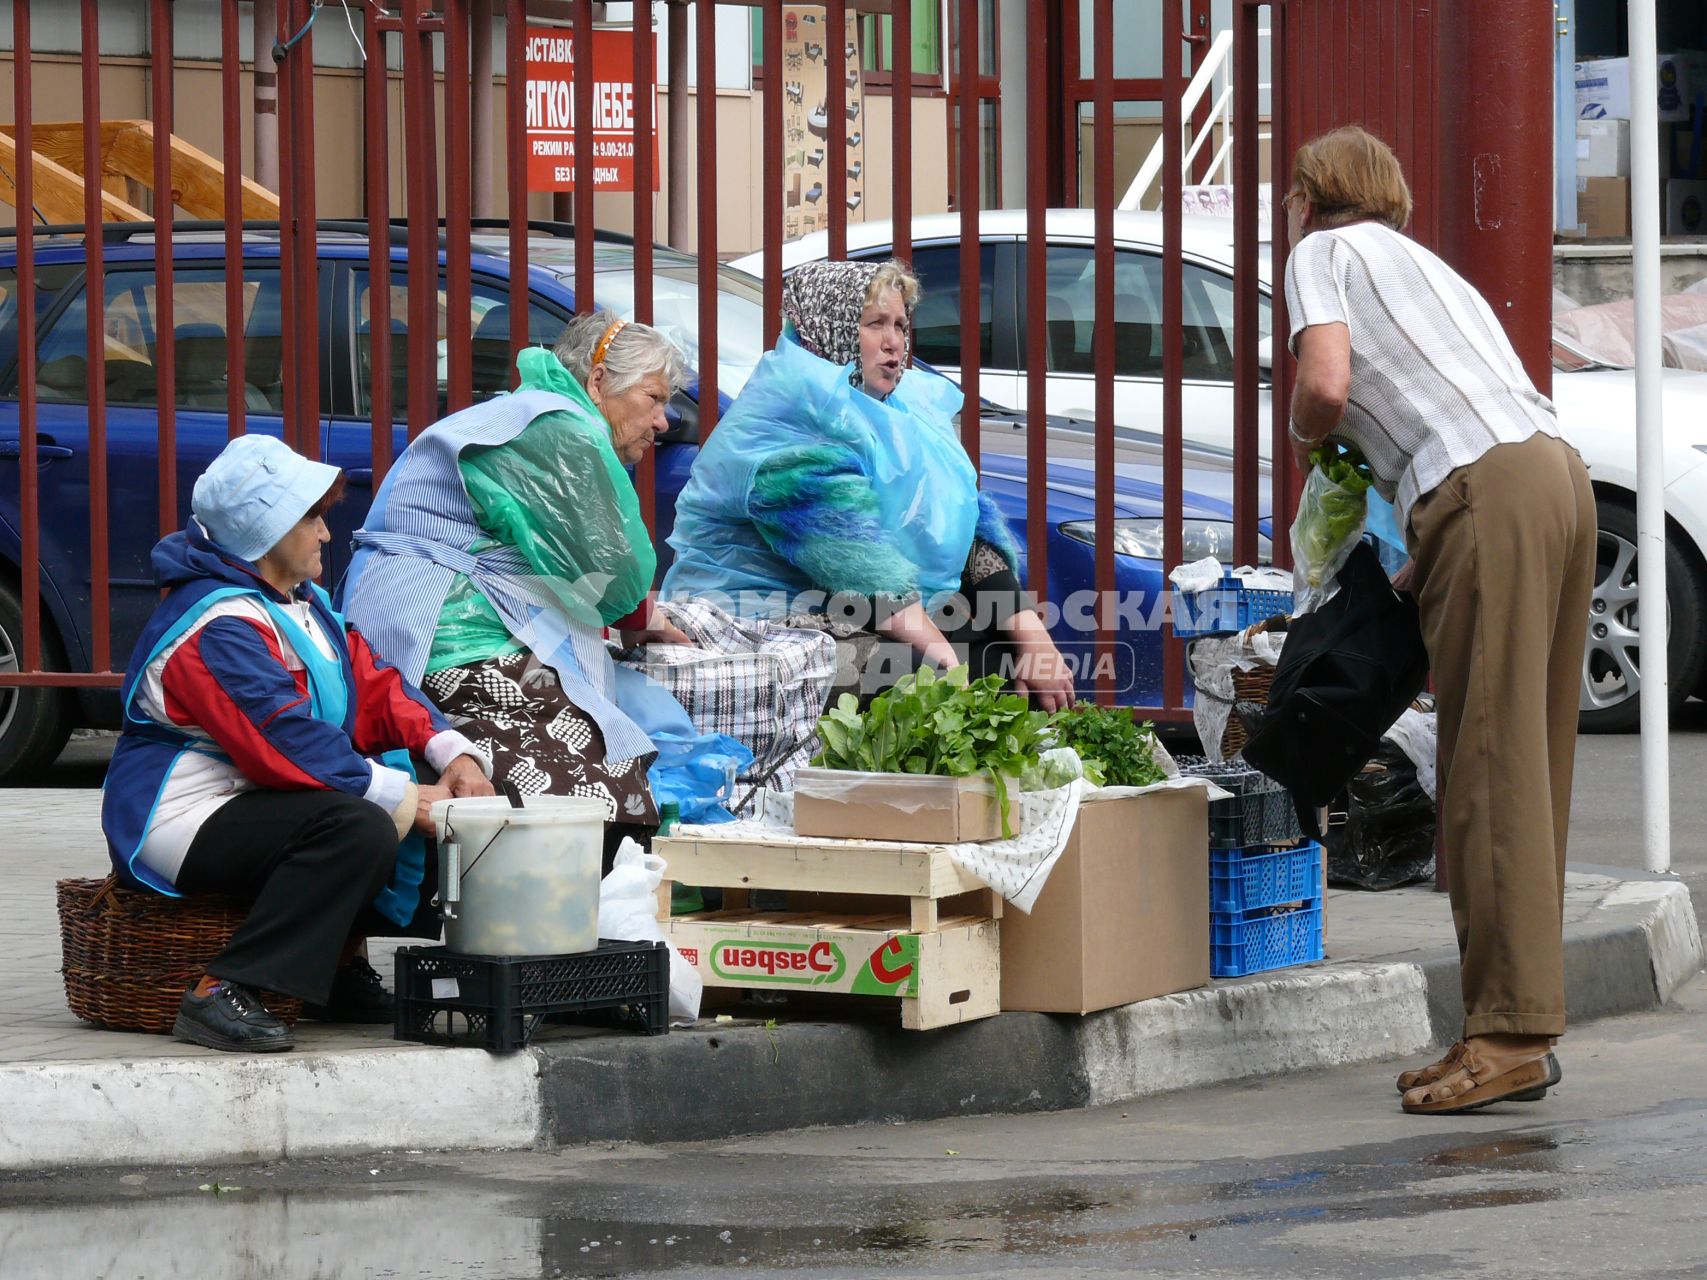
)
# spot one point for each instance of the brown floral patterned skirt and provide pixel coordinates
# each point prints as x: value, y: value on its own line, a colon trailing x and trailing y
x: 541, y: 743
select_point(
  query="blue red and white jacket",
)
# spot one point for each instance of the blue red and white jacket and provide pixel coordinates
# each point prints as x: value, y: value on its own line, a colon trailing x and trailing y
x: 217, y: 702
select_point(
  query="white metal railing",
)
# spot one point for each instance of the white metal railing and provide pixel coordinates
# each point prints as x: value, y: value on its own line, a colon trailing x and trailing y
x: 1215, y: 62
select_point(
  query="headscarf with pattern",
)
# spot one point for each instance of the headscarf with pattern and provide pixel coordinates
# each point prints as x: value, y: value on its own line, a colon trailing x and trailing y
x: 822, y: 301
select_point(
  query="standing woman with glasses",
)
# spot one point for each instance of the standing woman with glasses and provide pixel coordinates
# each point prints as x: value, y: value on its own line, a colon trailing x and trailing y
x: 1400, y: 357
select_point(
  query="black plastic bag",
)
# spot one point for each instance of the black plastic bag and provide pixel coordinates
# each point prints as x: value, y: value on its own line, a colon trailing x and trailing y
x: 1387, y: 836
x: 1346, y: 673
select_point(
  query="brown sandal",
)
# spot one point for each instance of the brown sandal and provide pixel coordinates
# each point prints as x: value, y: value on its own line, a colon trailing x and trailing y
x: 1526, y: 1082
x: 1409, y: 1080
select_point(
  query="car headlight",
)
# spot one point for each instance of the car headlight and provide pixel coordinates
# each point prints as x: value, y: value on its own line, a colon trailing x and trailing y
x: 1142, y: 537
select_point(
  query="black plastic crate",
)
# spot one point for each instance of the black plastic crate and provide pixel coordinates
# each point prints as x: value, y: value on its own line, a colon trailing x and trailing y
x: 1259, y: 812
x: 498, y: 1002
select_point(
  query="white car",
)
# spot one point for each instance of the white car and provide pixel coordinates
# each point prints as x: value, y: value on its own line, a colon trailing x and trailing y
x: 1596, y: 404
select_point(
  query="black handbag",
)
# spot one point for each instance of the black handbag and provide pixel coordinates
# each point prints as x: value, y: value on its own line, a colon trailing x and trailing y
x: 1347, y: 672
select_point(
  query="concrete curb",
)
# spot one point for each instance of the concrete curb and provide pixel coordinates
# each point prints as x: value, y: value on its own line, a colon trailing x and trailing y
x: 237, y: 1108
x: 717, y: 1081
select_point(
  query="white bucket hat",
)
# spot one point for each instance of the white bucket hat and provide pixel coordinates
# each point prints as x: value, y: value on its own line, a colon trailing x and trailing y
x: 254, y: 491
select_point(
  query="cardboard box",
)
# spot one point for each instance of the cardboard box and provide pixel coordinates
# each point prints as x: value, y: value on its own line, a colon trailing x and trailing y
x: 941, y: 977
x: 1125, y: 913
x: 896, y: 806
x: 1603, y: 206
x: 1685, y: 208
x: 1603, y: 148
x: 1603, y: 87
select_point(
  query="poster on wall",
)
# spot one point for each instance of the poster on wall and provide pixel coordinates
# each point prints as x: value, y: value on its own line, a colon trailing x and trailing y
x: 551, y: 110
x: 806, y: 53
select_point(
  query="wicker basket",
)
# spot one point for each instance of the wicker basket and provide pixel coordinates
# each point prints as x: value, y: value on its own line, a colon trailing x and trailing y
x: 1248, y: 686
x: 130, y: 956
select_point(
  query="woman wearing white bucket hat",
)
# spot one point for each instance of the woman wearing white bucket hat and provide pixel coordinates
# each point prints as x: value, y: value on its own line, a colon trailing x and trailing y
x: 266, y: 753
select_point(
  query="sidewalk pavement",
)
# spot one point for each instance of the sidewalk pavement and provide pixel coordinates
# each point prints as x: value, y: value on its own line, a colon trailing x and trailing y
x: 71, y: 1094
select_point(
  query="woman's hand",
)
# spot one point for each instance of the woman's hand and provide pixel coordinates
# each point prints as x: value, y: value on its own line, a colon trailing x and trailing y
x: 915, y: 626
x: 1040, y: 671
x: 464, y: 777
x: 1402, y: 579
x: 426, y: 796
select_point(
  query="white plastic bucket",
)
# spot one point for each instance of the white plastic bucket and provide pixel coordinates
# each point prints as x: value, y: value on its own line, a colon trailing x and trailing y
x: 529, y: 877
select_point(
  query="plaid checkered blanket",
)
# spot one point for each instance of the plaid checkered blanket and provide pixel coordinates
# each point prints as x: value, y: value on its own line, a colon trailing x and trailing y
x: 762, y: 683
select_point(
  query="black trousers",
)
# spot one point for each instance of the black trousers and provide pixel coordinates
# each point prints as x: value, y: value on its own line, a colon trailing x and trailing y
x: 311, y: 862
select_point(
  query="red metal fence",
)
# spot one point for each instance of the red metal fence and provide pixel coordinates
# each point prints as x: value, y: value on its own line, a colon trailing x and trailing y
x: 436, y: 141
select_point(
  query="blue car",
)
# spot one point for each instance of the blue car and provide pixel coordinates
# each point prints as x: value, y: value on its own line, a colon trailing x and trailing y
x: 35, y: 723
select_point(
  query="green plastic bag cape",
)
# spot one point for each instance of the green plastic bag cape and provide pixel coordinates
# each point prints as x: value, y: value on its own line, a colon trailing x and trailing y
x: 559, y: 495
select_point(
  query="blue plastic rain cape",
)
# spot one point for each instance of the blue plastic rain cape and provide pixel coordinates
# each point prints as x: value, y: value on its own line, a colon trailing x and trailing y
x: 925, y: 484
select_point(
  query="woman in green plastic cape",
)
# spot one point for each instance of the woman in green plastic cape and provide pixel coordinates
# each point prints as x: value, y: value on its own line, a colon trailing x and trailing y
x: 835, y: 493
x: 505, y: 558
x: 503, y: 544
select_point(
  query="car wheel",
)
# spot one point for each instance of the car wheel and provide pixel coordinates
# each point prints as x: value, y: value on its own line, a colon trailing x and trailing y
x: 1612, y: 678
x: 34, y: 723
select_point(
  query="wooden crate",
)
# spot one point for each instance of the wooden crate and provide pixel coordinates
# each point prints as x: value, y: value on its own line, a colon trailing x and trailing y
x: 934, y: 945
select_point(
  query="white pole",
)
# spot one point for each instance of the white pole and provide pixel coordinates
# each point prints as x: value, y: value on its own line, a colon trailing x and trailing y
x: 1650, y: 472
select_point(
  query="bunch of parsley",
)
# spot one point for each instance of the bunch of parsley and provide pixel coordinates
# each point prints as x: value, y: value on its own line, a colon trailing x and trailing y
x: 1116, y: 750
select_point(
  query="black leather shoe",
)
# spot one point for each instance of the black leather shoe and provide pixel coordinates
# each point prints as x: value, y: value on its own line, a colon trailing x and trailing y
x: 230, y: 1017
x: 358, y: 997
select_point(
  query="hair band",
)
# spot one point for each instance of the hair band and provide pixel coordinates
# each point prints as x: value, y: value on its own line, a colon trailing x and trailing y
x: 602, y: 348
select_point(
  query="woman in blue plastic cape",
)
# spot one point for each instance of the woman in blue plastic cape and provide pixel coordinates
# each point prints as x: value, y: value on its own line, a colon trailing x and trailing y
x: 835, y: 493
x: 503, y: 545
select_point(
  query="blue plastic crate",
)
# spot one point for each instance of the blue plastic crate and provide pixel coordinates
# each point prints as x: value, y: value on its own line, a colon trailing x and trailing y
x: 1245, y: 879
x: 1241, y: 943
x: 1230, y: 607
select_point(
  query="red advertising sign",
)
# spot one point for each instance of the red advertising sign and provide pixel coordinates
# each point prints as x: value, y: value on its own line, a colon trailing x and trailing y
x: 551, y: 111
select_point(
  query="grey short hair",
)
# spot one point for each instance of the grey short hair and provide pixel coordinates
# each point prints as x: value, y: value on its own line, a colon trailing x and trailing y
x: 635, y: 352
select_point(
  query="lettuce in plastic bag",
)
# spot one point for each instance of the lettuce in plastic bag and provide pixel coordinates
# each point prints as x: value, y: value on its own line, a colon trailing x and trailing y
x: 1330, y: 520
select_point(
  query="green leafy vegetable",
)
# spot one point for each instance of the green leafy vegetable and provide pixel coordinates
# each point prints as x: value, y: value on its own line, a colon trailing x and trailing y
x: 949, y: 724
x: 1333, y: 509
x: 1117, y: 751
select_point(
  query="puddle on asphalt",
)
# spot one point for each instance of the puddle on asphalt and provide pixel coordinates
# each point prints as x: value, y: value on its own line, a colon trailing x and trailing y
x: 510, y: 1232
x: 268, y: 1234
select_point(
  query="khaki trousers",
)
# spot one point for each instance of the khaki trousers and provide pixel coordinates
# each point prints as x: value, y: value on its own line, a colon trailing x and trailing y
x: 1504, y: 554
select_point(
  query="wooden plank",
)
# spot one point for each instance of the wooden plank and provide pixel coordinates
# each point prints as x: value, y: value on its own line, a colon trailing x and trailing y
x: 800, y: 863
x: 198, y: 180
x: 960, y: 978
x: 62, y: 140
x: 58, y: 191
x: 923, y: 915
x: 127, y: 151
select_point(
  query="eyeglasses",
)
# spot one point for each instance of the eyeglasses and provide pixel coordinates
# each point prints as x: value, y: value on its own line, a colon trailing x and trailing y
x: 1290, y: 196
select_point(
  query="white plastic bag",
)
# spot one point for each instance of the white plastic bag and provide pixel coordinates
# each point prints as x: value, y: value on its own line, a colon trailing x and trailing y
x: 628, y: 912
